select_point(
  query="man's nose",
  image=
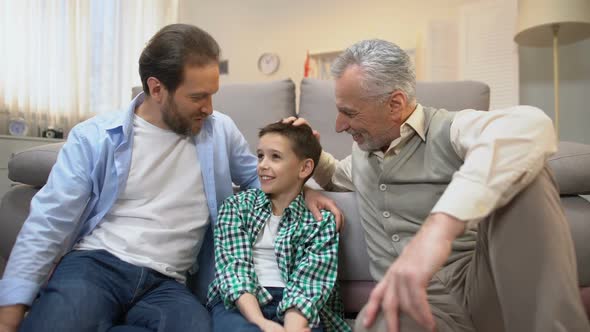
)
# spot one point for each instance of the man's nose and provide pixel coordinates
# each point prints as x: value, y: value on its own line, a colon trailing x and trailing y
x: 341, y: 123
x: 207, y: 108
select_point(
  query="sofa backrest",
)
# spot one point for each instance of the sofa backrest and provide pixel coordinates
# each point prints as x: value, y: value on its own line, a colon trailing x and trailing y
x: 254, y: 105
x: 317, y: 105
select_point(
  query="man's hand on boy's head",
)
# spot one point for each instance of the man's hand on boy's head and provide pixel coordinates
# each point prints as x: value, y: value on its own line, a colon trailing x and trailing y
x: 316, y: 202
x: 301, y: 121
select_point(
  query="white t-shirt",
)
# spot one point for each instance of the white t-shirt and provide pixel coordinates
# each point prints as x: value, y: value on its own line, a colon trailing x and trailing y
x: 160, y: 217
x: 265, y: 259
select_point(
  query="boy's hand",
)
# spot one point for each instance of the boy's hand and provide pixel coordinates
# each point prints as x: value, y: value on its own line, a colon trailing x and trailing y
x: 295, y: 321
x: 316, y: 202
x: 270, y: 326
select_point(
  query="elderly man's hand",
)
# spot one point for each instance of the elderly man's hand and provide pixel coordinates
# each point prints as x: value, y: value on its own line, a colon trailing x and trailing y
x: 403, y: 288
x: 315, y: 202
x: 301, y: 121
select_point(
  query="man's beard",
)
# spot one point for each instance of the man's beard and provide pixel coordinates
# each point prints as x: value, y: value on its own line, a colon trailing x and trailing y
x: 369, y: 143
x: 175, y: 121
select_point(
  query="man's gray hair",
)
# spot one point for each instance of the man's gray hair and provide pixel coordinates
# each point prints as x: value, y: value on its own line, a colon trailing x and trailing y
x: 386, y: 68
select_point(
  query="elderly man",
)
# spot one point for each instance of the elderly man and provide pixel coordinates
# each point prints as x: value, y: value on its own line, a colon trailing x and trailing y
x: 463, y: 222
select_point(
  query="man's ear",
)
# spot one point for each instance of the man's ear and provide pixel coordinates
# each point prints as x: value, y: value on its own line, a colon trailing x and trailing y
x: 306, y: 168
x: 157, y: 89
x: 397, y: 102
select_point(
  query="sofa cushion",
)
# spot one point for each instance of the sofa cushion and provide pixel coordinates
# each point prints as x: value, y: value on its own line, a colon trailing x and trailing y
x: 32, y: 166
x: 353, y: 264
x: 577, y: 213
x: 455, y: 95
x: 571, y: 166
x: 254, y: 105
x: 317, y: 105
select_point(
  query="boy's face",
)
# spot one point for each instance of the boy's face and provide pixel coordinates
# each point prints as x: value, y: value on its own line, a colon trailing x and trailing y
x: 279, y: 169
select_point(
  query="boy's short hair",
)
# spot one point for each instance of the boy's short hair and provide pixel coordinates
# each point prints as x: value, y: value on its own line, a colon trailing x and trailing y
x: 303, y: 142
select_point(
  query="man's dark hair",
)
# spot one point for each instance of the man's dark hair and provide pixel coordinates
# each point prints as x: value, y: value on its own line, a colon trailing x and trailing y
x: 171, y: 49
x: 303, y: 142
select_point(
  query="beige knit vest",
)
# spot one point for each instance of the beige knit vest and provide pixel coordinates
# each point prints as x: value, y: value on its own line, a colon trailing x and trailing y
x: 395, y: 199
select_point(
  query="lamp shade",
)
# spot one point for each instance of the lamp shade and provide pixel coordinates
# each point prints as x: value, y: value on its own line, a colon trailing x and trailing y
x: 536, y: 18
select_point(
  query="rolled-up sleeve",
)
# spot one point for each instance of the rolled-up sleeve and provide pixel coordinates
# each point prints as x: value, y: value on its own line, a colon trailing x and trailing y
x: 334, y: 175
x: 503, y: 151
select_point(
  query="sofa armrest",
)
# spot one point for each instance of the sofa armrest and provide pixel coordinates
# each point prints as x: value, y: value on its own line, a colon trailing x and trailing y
x: 571, y: 166
x: 32, y: 166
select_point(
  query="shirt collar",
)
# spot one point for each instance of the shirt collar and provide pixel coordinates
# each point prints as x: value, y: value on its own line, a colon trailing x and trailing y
x: 124, y: 122
x: 295, y: 208
x: 414, y: 124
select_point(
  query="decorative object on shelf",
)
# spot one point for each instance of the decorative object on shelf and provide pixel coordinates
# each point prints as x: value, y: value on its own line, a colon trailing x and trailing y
x: 318, y: 64
x: 18, y: 127
x: 542, y: 23
x: 268, y: 63
x: 224, y: 67
x: 53, y: 133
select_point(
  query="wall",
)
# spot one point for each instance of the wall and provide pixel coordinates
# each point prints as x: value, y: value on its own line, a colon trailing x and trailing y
x: 536, y: 86
x: 246, y: 29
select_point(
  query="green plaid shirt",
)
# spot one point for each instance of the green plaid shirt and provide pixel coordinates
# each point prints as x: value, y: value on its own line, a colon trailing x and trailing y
x: 306, y: 250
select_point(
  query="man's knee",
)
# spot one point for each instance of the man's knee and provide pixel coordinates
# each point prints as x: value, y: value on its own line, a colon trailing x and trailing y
x: 72, y: 306
x: 182, y: 315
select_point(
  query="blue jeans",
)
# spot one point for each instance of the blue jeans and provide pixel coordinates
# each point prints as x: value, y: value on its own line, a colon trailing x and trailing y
x: 232, y: 320
x: 92, y: 291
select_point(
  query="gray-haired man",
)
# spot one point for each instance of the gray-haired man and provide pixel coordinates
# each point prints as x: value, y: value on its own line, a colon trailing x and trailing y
x: 463, y: 222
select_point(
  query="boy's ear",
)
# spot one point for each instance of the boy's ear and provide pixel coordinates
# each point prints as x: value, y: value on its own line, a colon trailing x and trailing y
x: 306, y: 168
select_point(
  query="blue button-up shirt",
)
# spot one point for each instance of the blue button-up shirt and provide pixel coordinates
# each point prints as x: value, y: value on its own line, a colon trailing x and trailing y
x: 91, y: 171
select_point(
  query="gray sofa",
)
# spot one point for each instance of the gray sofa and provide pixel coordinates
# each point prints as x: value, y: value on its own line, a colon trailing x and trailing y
x: 254, y: 105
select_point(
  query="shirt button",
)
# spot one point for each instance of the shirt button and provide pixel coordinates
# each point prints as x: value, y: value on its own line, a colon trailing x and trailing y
x: 382, y: 187
x: 386, y: 214
x: 395, y: 238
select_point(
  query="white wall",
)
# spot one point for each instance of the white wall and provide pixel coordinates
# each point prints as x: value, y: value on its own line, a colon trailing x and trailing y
x: 246, y: 29
x: 536, y: 86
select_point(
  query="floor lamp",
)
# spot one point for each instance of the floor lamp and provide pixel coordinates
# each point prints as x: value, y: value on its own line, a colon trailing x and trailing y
x: 542, y: 23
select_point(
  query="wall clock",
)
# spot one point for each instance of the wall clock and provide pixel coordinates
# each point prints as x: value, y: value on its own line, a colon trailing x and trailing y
x: 18, y: 127
x: 268, y: 63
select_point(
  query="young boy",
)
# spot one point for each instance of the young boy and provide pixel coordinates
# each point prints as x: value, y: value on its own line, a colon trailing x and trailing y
x: 274, y: 262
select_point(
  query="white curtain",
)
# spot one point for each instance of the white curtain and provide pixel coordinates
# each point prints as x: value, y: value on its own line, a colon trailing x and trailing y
x: 120, y: 31
x: 62, y: 61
